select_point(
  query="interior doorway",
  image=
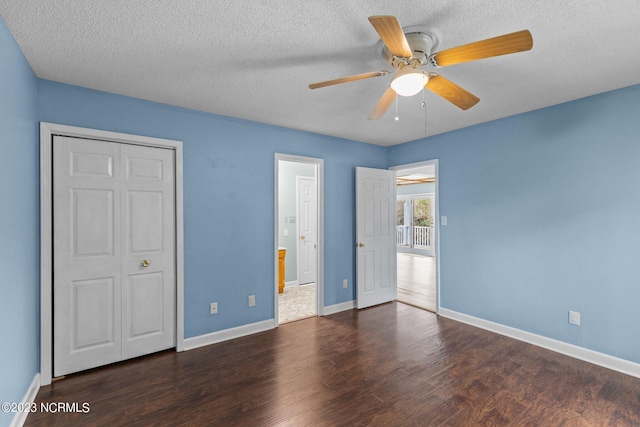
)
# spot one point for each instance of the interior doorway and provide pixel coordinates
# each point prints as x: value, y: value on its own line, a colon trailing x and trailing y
x: 298, y: 238
x: 417, y: 234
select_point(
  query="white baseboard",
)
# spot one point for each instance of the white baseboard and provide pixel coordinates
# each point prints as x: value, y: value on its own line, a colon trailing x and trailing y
x: 228, y: 334
x: 291, y: 284
x: 581, y: 353
x: 29, y: 398
x: 337, y: 308
x: 244, y: 330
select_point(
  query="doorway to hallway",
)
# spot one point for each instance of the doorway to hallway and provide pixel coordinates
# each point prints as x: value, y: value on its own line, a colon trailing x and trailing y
x: 298, y: 237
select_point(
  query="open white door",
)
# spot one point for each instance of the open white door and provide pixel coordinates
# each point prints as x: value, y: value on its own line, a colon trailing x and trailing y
x: 375, y: 235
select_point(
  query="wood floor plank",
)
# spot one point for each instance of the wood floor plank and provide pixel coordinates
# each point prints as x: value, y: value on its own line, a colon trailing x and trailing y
x: 389, y: 365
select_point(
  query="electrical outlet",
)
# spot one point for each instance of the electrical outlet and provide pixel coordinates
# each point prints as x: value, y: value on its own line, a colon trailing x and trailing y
x: 574, y: 317
x: 252, y: 300
x: 345, y: 283
x: 214, y: 308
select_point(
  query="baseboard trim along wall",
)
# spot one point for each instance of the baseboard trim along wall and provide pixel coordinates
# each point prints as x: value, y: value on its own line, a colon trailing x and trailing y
x: 581, y: 353
x: 253, y: 328
x: 29, y: 399
x: 227, y: 334
x: 291, y: 284
x: 337, y: 308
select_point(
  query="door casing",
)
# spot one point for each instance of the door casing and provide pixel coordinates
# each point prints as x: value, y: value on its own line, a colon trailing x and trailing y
x: 47, y: 131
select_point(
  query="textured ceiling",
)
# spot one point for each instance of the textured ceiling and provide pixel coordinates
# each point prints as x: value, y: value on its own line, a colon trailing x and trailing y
x: 254, y: 59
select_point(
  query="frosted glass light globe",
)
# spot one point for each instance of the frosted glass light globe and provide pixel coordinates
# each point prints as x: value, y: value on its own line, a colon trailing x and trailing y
x: 409, y: 82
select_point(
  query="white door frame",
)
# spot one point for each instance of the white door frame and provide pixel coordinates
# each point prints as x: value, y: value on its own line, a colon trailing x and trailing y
x: 436, y: 218
x: 319, y: 163
x: 47, y: 131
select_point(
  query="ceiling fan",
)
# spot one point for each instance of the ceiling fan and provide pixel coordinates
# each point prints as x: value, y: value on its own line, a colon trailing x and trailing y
x: 409, y: 50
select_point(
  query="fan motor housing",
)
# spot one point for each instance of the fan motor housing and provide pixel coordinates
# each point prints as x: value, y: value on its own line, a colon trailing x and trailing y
x: 422, y: 40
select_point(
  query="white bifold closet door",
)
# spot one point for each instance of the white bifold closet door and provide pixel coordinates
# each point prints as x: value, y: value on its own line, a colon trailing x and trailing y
x: 114, y: 279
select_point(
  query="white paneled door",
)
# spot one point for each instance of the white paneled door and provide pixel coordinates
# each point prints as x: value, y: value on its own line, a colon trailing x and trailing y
x: 307, y: 230
x: 114, y: 252
x: 375, y: 235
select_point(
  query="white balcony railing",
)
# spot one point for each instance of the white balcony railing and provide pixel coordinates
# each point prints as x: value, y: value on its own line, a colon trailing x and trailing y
x: 421, y: 238
x: 402, y: 235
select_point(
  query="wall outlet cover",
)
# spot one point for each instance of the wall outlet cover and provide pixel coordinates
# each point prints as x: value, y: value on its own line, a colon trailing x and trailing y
x: 574, y: 317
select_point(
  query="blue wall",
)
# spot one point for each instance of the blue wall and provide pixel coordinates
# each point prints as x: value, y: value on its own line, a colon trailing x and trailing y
x: 228, y: 197
x: 19, y: 245
x: 544, y: 217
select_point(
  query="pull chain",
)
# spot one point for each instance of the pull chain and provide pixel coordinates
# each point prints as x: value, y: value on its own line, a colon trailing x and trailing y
x: 424, y: 107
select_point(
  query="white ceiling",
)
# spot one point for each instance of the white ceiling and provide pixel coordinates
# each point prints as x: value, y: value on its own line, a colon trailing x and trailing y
x: 254, y: 59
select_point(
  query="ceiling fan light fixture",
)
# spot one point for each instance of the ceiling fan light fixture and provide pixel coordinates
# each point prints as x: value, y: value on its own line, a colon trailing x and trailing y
x: 409, y: 82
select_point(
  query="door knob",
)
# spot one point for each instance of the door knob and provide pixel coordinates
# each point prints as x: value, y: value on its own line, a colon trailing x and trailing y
x: 145, y: 263
x: 302, y: 237
x: 361, y: 244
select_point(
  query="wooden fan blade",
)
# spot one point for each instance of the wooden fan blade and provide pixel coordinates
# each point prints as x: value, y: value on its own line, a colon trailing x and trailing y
x: 451, y: 92
x: 392, y: 35
x: 348, y: 79
x: 383, y: 104
x: 496, y: 46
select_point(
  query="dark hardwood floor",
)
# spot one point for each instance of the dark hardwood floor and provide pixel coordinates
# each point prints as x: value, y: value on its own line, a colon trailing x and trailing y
x: 390, y: 365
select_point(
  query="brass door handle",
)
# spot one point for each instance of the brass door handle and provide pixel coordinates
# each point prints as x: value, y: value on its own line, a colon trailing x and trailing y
x: 145, y: 263
x: 302, y: 237
x: 361, y: 244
